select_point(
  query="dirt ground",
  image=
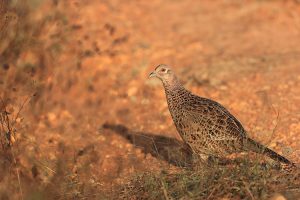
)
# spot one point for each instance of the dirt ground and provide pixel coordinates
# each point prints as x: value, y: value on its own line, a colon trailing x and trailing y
x: 97, y: 119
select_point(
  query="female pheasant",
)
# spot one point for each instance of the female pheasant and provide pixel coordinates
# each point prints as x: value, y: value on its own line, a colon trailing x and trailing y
x: 205, y: 125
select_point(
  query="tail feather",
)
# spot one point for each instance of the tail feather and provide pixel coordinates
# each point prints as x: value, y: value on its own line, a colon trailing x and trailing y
x: 261, y: 149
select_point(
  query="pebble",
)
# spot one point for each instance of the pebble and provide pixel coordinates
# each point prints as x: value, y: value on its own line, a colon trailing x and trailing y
x: 132, y: 91
x: 51, y: 116
x: 277, y: 197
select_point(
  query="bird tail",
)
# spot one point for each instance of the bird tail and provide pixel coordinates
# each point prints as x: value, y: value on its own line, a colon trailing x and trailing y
x: 261, y: 149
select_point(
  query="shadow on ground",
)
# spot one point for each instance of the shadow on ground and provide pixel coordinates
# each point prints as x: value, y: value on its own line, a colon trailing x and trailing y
x: 172, y: 150
x: 165, y: 148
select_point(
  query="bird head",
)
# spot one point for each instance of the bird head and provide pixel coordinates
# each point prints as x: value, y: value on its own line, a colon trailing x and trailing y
x: 163, y: 72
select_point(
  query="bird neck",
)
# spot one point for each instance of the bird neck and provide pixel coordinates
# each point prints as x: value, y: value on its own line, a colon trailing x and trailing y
x: 173, y: 85
x: 175, y: 92
x: 174, y: 89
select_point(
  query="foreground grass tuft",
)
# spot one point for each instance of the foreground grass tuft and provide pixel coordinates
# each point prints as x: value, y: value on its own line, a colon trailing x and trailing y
x: 244, y: 181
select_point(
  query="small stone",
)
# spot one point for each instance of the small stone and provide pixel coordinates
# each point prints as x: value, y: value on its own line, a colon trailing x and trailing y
x: 148, y: 156
x: 133, y: 99
x: 145, y: 101
x: 277, y: 197
x: 51, y: 117
x: 132, y: 91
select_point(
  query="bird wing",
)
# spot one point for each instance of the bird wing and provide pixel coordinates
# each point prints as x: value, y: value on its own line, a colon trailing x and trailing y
x: 212, y: 117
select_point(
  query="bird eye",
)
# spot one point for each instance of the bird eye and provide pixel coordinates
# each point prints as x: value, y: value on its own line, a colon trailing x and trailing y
x: 163, y: 70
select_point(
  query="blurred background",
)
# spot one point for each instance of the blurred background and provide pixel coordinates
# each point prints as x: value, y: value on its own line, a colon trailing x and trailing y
x: 75, y: 93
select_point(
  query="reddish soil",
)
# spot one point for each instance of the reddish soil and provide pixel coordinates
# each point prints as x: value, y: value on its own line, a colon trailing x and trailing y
x: 243, y: 54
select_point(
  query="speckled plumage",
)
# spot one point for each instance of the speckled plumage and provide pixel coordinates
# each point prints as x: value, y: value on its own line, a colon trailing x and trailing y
x: 205, y: 125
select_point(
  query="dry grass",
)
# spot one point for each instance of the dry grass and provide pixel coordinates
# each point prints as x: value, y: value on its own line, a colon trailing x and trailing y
x: 28, y: 45
x: 244, y: 181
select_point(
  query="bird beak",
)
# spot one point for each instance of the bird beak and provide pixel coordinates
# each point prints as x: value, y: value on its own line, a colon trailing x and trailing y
x: 152, y: 74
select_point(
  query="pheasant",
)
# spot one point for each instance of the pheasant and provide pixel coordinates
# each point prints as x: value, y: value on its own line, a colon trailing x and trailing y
x: 205, y: 125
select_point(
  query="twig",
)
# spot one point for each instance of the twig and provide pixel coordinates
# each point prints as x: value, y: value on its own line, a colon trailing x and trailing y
x: 21, y: 108
x: 164, y: 191
x: 2, y: 130
x: 277, y: 122
x: 46, y: 167
x: 18, y: 174
x: 213, y: 190
x: 248, y: 190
